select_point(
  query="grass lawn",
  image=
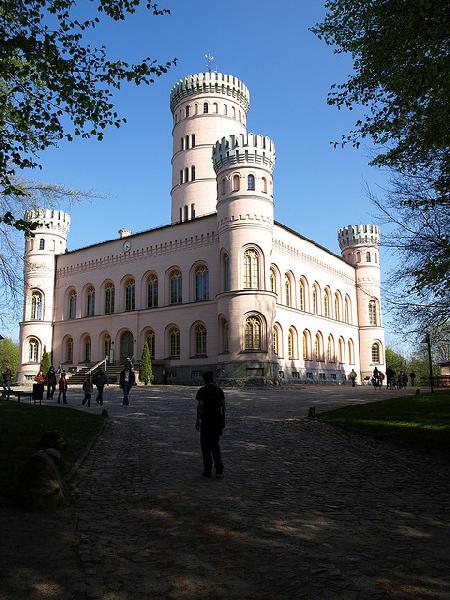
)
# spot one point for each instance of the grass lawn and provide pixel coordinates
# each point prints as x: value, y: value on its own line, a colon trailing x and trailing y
x: 420, y: 421
x: 21, y: 427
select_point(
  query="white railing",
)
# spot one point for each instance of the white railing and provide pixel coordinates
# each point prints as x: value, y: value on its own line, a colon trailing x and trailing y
x: 99, y: 364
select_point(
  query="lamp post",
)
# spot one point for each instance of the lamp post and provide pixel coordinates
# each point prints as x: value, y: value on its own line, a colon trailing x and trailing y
x: 427, y: 341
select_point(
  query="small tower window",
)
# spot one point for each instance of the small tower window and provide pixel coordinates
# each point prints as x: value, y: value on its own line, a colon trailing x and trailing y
x: 186, y: 175
x: 226, y: 272
x: 205, y: 107
x: 368, y: 257
x: 186, y: 212
x: 193, y: 173
x: 193, y: 140
x: 223, y: 186
x: 187, y: 110
x: 264, y: 185
x: 251, y: 182
x: 186, y: 142
x: 236, y: 183
x: 182, y: 143
x: 234, y: 112
x: 42, y: 244
x: 216, y: 107
x: 225, y: 109
x: 181, y: 176
x: 358, y: 257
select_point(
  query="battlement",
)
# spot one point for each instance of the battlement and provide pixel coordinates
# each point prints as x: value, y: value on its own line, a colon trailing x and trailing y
x: 210, y: 83
x: 355, y: 235
x: 238, y: 149
x: 49, y: 220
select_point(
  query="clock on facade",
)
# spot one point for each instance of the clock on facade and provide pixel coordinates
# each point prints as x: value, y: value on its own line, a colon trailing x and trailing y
x: 127, y: 246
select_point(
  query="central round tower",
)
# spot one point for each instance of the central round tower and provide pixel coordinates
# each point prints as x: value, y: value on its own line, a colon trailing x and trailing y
x: 205, y: 108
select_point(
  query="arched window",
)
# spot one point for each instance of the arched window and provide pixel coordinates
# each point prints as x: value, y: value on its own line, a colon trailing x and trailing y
x: 358, y: 257
x: 196, y: 109
x: 234, y: 112
x: 319, y: 347
x: 193, y: 140
x: 87, y: 349
x: 351, y: 352
x: 327, y: 303
x: 174, y: 342
x: 225, y: 335
x: 288, y: 290
x: 36, y: 306
x: 187, y: 110
x: 223, y: 186
x: 337, y: 306
x: 368, y: 258
x: 373, y: 312
x: 275, y: 340
x: 330, y: 349
x: 186, y: 142
x: 130, y: 295
x: 186, y: 212
x: 225, y: 272
x: 216, y: 107
x: 72, y: 312
x: 225, y: 109
x: 306, y: 345
x: 302, y: 295
x: 252, y: 333
x: 264, y: 185
x: 151, y: 343
x: 181, y: 176
x: 236, y: 183
x: 33, y: 351
x: 42, y: 244
x: 201, y: 284
x: 110, y: 293
x: 90, y: 302
x: 376, y: 353
x: 316, y: 299
x: 186, y: 175
x: 251, y: 269
x: 291, y: 344
x: 193, y: 173
x: 273, y: 281
x: 251, y: 182
x: 200, y: 339
x: 348, y: 310
x: 341, y: 350
x: 175, y: 287
x: 152, y: 291
x: 69, y: 351
x: 205, y: 107
x: 107, y: 346
x: 375, y: 256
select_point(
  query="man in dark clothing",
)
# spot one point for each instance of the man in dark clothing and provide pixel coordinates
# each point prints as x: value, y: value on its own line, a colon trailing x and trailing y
x: 127, y: 380
x: 50, y: 380
x: 100, y: 380
x: 211, y: 422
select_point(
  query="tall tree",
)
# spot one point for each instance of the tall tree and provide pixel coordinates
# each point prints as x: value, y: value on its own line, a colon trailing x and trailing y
x: 146, y: 371
x: 54, y: 84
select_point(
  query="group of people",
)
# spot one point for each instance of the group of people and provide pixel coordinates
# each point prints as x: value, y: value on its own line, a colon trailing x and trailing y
x: 51, y: 381
x: 399, y: 380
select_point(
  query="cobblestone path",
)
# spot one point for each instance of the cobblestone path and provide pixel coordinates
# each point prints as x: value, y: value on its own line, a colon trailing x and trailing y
x: 304, y: 511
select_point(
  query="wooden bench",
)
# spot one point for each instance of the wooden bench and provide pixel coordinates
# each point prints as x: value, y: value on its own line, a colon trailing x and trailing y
x: 19, y: 394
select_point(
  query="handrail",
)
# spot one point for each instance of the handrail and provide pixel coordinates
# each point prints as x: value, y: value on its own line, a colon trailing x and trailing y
x: 102, y: 362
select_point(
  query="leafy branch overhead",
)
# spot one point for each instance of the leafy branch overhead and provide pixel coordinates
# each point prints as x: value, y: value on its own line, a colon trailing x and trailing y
x: 55, y: 85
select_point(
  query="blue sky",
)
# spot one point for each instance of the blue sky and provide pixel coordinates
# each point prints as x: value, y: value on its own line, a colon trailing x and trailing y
x: 288, y: 71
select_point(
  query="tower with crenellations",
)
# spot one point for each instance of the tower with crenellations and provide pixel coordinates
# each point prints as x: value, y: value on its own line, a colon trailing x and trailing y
x: 205, y: 107
x: 360, y: 248
x: 36, y: 329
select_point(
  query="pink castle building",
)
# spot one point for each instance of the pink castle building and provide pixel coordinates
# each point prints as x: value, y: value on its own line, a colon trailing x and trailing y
x: 223, y: 287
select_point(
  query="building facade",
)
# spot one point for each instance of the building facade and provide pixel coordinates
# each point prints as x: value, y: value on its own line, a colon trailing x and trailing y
x: 223, y: 287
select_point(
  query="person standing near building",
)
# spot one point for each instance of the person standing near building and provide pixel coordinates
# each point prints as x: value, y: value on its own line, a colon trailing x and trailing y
x: 412, y: 377
x: 7, y: 379
x: 127, y: 380
x: 352, y: 377
x: 211, y: 423
x: 62, y: 386
x: 50, y: 380
x: 100, y: 380
x: 88, y: 388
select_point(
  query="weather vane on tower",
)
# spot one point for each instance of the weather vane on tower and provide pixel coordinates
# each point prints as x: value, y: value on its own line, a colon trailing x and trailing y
x: 209, y: 60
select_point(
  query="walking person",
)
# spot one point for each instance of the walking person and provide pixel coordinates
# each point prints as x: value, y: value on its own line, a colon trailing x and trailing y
x: 7, y: 379
x: 211, y: 423
x: 352, y: 376
x: 88, y: 388
x: 100, y: 380
x: 127, y: 380
x: 412, y: 377
x: 390, y: 375
x: 50, y: 380
x: 62, y: 386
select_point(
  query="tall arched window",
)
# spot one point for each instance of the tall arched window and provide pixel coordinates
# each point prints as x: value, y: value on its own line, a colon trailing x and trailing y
x: 186, y: 175
x: 187, y: 110
x: 251, y: 183
x: 252, y: 333
x: 288, y: 290
x: 151, y: 343
x: 72, y: 312
x: 36, y: 306
x: 130, y: 295
x: 302, y: 295
x: 69, y: 351
x: 193, y: 173
x: 110, y: 293
x: 341, y: 350
x: 264, y: 185
x: 275, y: 340
x: 358, y: 257
x: 201, y: 284
x: 225, y: 335
x: 236, y: 183
x: 373, y: 312
x: 174, y: 342
x: 251, y: 269
x: 306, y: 345
x: 291, y: 344
x: 90, y: 301
x: 200, y: 339
x: 225, y: 109
x: 273, y: 281
x: 42, y: 244
x: 225, y: 272
x: 327, y: 303
x: 205, y: 107
x: 319, y: 347
x: 348, y: 310
x: 107, y: 346
x: 330, y: 349
x: 376, y: 353
x: 216, y: 107
x: 175, y: 287
x: 337, y: 306
x: 351, y: 352
x: 368, y: 258
x: 316, y: 299
x: 152, y: 291
x: 33, y: 351
x: 87, y: 349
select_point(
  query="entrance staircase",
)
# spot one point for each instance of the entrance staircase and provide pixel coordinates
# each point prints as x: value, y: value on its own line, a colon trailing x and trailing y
x: 112, y: 373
